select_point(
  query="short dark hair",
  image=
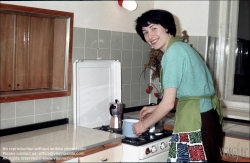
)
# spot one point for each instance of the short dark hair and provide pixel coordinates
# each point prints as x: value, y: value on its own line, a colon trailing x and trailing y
x: 162, y: 17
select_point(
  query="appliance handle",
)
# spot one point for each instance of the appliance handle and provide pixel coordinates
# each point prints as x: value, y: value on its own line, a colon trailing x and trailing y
x: 110, y: 108
x: 152, y: 104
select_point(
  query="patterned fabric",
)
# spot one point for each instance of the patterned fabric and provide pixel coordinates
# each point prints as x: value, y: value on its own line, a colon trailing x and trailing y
x: 186, y: 147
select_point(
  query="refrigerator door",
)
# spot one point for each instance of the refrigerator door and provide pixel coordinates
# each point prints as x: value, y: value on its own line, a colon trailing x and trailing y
x: 96, y: 83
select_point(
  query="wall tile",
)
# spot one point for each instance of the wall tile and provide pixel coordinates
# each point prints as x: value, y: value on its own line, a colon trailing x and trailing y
x: 104, y: 53
x: 193, y: 40
x: 147, y: 76
x: 43, y: 106
x: 116, y: 54
x: 127, y: 104
x: 59, y: 115
x: 7, y: 110
x: 60, y: 104
x: 136, y: 71
x: 137, y: 58
x: 135, y: 103
x: 135, y: 92
x: 78, y: 37
x: 202, y: 42
x: 127, y: 40
x: 143, y: 92
x: 8, y: 123
x: 90, y: 53
x: 78, y: 53
x: 104, y: 39
x: 126, y: 75
x: 145, y: 57
x: 125, y: 93
x: 144, y: 102
x: 126, y: 58
x: 42, y: 118
x: 24, y: 121
x: 71, y: 116
x: 116, y: 40
x: 70, y: 107
x: 137, y: 45
x: 25, y: 108
x: 146, y: 46
x: 91, y: 38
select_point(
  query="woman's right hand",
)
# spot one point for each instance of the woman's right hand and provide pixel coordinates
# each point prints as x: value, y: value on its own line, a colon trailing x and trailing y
x: 146, y: 111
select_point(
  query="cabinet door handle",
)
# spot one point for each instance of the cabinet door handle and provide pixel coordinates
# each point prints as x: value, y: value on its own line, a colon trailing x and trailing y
x: 17, y: 84
x: 9, y: 85
x: 104, y: 159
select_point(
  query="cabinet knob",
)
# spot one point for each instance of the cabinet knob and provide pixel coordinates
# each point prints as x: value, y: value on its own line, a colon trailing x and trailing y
x: 17, y: 84
x: 9, y: 85
x: 103, y: 159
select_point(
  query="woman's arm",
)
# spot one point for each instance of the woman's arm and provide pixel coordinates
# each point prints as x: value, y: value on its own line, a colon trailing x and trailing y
x: 167, y: 103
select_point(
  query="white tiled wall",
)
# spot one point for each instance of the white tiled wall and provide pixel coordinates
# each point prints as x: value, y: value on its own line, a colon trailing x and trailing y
x: 128, y: 48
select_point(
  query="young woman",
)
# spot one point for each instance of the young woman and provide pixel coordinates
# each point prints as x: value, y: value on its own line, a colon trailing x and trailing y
x: 197, y: 134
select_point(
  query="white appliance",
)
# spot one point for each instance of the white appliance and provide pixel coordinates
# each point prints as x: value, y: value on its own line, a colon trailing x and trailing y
x: 156, y: 151
x: 96, y: 83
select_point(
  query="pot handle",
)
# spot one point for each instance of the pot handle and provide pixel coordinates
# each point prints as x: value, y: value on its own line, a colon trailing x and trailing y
x: 110, y: 108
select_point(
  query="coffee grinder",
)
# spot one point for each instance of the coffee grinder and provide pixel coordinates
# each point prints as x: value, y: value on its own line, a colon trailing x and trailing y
x: 116, y: 110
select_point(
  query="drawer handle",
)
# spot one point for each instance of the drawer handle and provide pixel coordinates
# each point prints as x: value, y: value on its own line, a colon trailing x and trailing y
x: 103, y: 159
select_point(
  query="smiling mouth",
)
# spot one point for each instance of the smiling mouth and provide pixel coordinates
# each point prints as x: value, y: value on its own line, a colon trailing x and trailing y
x: 154, y: 41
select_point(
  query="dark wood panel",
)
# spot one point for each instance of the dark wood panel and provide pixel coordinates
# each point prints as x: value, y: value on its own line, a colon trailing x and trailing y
x: 6, y: 51
x: 39, y: 52
x: 21, y: 95
x: 21, y: 54
x: 9, y: 7
x: 59, y: 48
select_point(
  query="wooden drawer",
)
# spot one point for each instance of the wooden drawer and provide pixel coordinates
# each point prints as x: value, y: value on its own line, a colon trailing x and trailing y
x: 109, y: 155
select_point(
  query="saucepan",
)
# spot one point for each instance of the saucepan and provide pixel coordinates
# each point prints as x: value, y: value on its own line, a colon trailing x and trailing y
x: 157, y: 127
x: 127, y: 129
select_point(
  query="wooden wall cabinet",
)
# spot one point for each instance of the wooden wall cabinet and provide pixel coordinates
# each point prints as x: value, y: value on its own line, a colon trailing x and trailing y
x: 35, y: 53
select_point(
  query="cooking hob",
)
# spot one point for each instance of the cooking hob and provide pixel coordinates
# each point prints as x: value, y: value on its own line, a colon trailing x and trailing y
x: 145, y: 138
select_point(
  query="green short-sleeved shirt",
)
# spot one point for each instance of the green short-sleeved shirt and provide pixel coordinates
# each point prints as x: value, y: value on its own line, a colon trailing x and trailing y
x: 184, y: 70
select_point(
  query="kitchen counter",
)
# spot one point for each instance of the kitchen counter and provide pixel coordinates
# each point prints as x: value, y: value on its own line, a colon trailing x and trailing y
x: 46, y: 144
x: 230, y: 128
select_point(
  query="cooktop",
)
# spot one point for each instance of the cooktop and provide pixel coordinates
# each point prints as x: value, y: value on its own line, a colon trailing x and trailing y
x: 145, y: 138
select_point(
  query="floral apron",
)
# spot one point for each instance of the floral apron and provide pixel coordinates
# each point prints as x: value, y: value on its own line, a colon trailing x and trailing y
x: 186, y: 144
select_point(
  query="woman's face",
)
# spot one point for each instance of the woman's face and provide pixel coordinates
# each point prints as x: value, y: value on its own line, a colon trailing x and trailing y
x: 156, y: 36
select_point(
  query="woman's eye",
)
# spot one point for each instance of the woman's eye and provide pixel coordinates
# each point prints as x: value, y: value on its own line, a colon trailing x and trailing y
x: 145, y: 33
x: 153, y: 29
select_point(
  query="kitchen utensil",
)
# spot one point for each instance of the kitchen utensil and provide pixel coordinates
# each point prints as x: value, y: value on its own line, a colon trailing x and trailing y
x: 127, y: 129
x: 116, y: 109
x: 157, y: 127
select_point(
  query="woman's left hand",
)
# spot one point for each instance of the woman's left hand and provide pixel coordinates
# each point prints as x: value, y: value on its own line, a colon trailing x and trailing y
x: 139, y: 128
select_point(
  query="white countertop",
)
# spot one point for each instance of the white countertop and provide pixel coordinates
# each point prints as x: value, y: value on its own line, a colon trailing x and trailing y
x: 45, y: 144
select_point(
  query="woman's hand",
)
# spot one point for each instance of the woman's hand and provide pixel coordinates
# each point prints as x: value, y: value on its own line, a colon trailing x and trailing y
x: 139, y: 128
x: 146, y: 111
